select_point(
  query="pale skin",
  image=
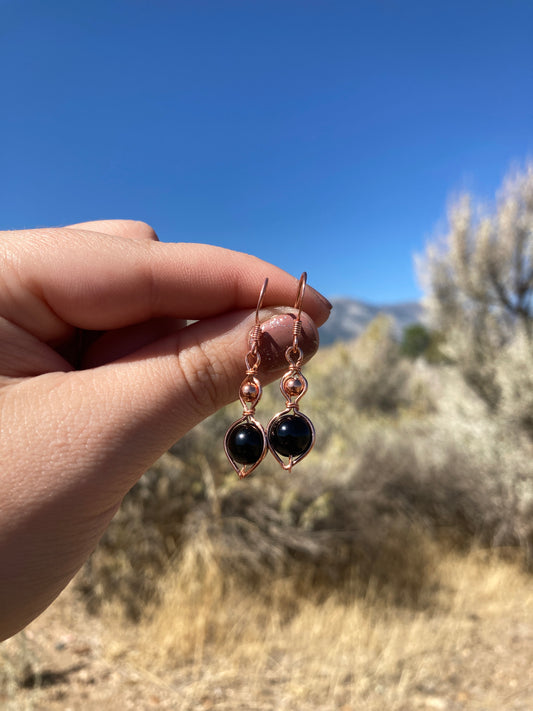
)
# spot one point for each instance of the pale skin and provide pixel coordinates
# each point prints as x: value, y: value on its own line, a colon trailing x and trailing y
x: 98, y: 377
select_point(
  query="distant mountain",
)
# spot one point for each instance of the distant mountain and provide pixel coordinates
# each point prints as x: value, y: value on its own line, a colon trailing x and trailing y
x: 350, y: 317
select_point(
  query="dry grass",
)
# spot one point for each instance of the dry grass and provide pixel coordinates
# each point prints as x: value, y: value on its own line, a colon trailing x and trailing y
x: 275, y: 650
x: 212, y: 647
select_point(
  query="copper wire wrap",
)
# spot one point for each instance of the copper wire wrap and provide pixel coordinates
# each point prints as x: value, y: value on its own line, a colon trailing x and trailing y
x: 250, y: 392
x: 293, y: 384
x: 255, y: 335
x: 253, y: 358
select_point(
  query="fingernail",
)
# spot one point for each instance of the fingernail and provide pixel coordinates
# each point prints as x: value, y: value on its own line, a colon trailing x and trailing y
x: 277, y: 336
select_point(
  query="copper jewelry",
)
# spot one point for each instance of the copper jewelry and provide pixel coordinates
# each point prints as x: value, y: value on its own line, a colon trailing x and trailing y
x: 290, y: 433
x: 245, y: 442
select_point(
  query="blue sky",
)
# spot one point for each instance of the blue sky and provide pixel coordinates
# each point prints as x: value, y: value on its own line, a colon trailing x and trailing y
x: 326, y: 136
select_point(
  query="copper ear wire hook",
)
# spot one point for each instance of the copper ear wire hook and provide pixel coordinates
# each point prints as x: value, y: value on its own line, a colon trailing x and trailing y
x: 300, y: 296
x: 255, y: 335
x: 260, y: 301
x: 297, y: 330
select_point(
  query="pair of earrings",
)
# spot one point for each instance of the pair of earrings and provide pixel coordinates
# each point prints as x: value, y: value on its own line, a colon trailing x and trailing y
x: 290, y: 433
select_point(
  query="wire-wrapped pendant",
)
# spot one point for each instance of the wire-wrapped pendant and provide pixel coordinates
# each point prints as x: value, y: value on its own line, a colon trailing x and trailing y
x: 245, y: 442
x: 290, y: 433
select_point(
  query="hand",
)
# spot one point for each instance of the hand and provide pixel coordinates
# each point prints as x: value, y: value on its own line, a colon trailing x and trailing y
x: 98, y: 377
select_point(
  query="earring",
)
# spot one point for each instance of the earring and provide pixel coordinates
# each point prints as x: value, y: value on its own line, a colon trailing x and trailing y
x: 290, y: 433
x: 245, y: 442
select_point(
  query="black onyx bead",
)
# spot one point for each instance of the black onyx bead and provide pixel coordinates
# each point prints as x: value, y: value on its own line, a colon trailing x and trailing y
x: 291, y: 435
x: 245, y: 443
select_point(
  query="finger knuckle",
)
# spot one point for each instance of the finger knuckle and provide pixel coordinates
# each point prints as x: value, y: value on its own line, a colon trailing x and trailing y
x: 203, y: 377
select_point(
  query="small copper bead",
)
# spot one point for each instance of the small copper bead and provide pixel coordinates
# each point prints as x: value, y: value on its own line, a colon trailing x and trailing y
x: 294, y: 386
x: 249, y: 391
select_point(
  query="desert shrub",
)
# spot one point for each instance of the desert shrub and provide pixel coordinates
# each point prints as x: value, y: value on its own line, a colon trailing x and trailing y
x: 377, y: 373
x: 367, y: 375
x: 387, y: 474
x: 479, y: 287
x: 317, y: 534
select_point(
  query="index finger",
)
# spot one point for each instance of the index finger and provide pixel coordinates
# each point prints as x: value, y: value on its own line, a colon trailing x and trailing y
x: 95, y: 281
